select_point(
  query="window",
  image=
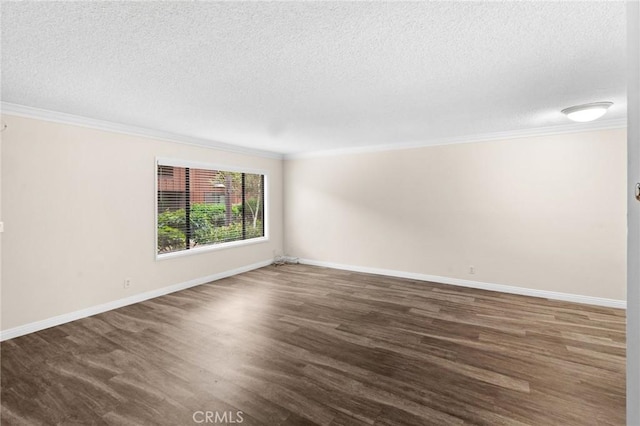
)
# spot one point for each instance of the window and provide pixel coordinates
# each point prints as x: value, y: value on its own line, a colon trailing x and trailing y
x: 214, y: 198
x: 165, y: 171
x: 201, y: 207
x: 170, y: 200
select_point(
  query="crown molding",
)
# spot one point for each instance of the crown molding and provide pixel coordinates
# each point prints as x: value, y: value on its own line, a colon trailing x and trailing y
x: 484, y: 137
x: 76, y: 120
x: 64, y: 118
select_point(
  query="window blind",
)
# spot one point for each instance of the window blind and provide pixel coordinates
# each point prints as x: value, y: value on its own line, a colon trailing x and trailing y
x: 199, y: 207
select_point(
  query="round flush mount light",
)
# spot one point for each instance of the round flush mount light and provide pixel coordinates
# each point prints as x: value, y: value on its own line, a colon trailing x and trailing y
x: 587, y: 112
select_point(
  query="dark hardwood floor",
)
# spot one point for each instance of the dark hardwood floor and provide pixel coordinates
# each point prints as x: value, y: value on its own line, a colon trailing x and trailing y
x: 301, y: 345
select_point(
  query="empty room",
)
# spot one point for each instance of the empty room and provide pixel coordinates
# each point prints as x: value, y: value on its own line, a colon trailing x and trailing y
x: 320, y: 213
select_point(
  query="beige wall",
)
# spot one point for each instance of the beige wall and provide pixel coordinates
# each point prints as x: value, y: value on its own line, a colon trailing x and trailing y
x: 2, y: 122
x: 78, y: 208
x: 545, y: 213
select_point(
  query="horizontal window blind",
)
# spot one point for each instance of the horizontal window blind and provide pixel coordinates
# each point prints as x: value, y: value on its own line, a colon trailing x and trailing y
x: 200, y: 207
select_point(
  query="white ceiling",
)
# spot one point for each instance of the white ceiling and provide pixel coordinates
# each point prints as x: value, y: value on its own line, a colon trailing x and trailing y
x: 294, y: 77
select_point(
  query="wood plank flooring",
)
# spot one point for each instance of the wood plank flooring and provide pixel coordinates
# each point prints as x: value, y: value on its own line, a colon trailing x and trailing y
x: 302, y: 345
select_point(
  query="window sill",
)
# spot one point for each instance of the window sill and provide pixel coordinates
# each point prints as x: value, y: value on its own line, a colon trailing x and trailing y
x: 211, y: 247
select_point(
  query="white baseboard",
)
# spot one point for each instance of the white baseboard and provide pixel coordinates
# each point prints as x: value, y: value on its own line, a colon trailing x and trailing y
x: 567, y: 297
x: 83, y: 313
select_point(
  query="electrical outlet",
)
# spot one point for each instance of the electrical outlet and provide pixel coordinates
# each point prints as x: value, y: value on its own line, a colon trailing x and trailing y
x: 472, y: 270
x: 127, y: 283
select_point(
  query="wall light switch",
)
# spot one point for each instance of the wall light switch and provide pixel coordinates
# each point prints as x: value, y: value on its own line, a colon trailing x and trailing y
x: 1, y: 226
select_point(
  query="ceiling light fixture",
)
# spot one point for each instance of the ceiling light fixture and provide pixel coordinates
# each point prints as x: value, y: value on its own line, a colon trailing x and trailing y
x: 587, y: 112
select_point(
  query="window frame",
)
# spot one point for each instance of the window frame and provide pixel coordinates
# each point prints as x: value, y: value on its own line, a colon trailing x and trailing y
x: 173, y: 162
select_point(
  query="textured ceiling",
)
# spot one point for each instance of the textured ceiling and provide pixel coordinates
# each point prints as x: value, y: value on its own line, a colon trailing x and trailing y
x: 302, y: 76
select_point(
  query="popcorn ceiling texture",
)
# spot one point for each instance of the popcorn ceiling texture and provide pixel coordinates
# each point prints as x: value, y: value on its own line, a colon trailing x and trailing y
x: 301, y: 76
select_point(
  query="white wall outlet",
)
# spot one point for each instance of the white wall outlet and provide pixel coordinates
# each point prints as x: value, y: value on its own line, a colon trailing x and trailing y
x: 127, y: 283
x: 472, y: 270
x: 1, y: 226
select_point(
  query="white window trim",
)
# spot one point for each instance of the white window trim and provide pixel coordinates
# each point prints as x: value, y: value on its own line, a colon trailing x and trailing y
x: 212, y: 166
x: 209, y: 247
